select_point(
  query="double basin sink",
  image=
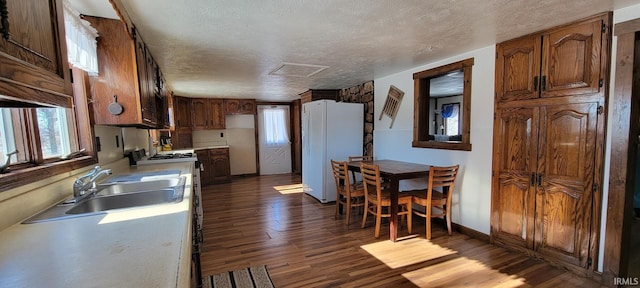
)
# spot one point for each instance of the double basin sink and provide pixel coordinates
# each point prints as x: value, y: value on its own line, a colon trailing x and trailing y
x: 112, y: 195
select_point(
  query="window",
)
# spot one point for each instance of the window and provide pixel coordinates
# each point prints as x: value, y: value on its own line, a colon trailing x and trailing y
x: 41, y: 135
x: 451, y: 117
x: 48, y: 137
x: 275, y: 126
x: 442, y: 98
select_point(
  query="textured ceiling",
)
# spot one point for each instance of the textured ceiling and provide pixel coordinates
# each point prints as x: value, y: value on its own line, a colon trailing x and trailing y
x: 227, y: 48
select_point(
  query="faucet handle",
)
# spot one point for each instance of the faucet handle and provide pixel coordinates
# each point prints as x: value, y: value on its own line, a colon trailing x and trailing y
x: 94, y: 170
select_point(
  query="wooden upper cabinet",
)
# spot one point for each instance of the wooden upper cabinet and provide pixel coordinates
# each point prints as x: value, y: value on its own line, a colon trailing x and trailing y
x: 207, y: 114
x: 560, y: 62
x: 163, y: 103
x: 33, y: 53
x: 239, y: 106
x: 518, y: 65
x: 319, y: 94
x: 182, y: 112
x: 571, y: 65
x: 126, y: 71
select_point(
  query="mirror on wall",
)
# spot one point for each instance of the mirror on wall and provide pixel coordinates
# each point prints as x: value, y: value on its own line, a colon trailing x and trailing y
x: 442, y: 100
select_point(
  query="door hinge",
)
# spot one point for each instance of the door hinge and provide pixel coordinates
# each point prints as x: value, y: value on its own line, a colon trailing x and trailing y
x: 600, y: 109
x: 594, y: 188
x: 71, y: 75
x: 494, y: 115
x: 604, y: 28
x: 601, y: 82
x: 589, y: 262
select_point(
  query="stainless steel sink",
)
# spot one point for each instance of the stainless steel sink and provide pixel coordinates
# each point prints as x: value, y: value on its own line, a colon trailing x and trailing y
x: 127, y: 200
x: 117, y: 196
x: 128, y: 187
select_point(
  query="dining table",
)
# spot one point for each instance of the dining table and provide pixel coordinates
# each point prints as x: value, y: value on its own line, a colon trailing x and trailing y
x: 393, y: 171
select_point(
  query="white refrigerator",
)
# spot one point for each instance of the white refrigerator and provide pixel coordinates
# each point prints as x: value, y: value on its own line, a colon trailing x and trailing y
x: 330, y: 130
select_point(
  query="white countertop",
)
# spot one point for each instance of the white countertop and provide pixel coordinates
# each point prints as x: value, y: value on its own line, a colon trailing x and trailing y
x: 146, y: 246
x: 211, y: 147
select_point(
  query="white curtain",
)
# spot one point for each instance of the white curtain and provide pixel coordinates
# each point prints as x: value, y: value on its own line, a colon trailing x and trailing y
x: 275, y: 126
x: 81, y: 41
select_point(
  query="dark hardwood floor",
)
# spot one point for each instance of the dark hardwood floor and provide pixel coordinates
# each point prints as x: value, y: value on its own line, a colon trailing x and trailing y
x: 267, y: 220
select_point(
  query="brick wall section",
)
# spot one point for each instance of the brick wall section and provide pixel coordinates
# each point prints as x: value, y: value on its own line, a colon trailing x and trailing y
x: 362, y: 93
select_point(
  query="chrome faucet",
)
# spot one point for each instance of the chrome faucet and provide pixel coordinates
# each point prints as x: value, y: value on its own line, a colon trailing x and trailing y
x: 87, y: 182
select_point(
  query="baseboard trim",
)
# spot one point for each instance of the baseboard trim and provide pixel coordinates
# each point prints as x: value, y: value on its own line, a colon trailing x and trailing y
x: 471, y: 232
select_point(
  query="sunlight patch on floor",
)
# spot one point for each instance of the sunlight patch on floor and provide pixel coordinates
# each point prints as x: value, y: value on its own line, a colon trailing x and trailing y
x: 289, y: 189
x: 462, y: 272
x: 406, y: 252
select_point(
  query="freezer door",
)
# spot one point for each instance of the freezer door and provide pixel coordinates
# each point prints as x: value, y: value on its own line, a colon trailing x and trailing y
x: 313, y: 149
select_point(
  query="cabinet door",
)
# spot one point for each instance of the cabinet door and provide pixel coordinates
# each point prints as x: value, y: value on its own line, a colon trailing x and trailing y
x: 149, y: 99
x: 248, y: 106
x: 200, y: 111
x: 33, y: 51
x: 182, y: 138
x: 571, y: 65
x: 518, y: 68
x: 566, y: 171
x: 141, y: 70
x: 182, y: 108
x: 206, y: 176
x: 231, y: 106
x: 221, y: 165
x: 217, y: 114
x: 514, y: 164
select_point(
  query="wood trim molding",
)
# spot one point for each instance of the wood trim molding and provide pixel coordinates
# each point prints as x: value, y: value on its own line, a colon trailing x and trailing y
x: 619, y: 205
x: 471, y: 232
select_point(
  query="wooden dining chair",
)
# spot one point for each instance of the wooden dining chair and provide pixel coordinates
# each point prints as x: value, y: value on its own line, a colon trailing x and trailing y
x: 376, y: 198
x: 347, y: 194
x: 358, y: 158
x: 444, y: 179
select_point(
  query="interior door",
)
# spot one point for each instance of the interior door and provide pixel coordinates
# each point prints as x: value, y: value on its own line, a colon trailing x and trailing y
x: 513, y: 198
x: 564, y: 198
x: 275, y: 153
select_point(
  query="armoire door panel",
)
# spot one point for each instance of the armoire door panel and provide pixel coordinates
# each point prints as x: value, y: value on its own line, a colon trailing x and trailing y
x: 518, y: 65
x: 566, y: 165
x: 515, y: 193
x: 571, y: 65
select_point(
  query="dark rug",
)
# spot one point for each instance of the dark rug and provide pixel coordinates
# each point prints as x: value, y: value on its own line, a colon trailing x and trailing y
x: 256, y: 276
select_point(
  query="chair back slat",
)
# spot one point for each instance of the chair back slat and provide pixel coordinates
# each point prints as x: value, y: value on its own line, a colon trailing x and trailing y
x: 370, y: 178
x: 340, y: 172
x: 442, y: 177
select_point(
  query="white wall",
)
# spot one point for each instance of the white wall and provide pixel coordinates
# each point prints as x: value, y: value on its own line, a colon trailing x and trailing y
x: 472, y: 196
x: 241, y: 135
x: 472, y: 203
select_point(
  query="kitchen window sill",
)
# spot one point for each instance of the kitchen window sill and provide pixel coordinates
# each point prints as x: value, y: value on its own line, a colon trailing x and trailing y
x: 27, y: 175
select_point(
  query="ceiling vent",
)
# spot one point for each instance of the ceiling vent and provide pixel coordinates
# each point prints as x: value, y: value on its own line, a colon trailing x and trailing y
x: 297, y: 70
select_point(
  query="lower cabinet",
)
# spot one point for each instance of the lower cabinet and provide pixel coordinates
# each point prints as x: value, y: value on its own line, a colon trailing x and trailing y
x: 215, y: 166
